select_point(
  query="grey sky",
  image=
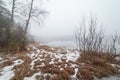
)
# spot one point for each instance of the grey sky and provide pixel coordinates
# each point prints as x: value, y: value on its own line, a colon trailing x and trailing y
x: 66, y: 14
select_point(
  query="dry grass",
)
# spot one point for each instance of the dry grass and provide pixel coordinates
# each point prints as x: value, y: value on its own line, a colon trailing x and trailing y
x: 6, y: 63
x: 100, y: 65
x: 53, y: 50
x: 70, y: 70
x: 45, y: 47
x: 88, y: 64
x: 23, y: 70
x: 64, y: 75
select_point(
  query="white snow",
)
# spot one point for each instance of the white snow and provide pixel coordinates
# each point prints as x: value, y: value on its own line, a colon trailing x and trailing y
x: 61, y: 69
x: 76, y: 70
x: 69, y: 56
x: 18, y: 62
x: 74, y: 65
x: 118, y: 59
x: 40, y: 55
x: 65, y: 65
x: 32, y: 63
x: 59, y: 60
x: 7, y: 73
x: 52, y: 61
x: 72, y: 56
x: 1, y: 58
x: 43, y: 64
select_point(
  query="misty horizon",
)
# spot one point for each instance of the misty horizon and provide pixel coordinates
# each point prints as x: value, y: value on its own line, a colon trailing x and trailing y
x: 65, y: 15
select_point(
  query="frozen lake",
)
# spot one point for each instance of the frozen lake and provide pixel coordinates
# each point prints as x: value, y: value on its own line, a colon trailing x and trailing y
x: 65, y: 44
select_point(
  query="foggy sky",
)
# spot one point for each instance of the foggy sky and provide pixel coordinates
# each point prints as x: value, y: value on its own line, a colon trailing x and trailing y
x: 65, y: 15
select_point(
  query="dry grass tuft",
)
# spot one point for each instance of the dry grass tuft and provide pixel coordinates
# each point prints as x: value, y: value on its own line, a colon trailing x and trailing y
x: 85, y: 74
x: 100, y: 65
x: 6, y: 63
x: 54, y: 77
x: 23, y: 70
x: 70, y: 70
x: 44, y: 47
x: 64, y: 75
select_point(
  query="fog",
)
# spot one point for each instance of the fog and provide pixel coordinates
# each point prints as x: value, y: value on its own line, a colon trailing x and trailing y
x: 65, y: 15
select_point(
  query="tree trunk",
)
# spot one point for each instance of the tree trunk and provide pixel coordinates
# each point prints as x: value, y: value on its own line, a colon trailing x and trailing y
x: 29, y: 17
x: 13, y: 10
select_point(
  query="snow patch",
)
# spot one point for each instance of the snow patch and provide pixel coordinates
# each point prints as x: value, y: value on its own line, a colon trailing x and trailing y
x: 7, y: 73
x: 1, y: 58
x: 76, y: 70
x: 117, y: 58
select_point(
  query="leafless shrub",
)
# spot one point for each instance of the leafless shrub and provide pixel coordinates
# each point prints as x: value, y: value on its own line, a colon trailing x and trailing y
x: 113, y: 44
x: 119, y: 42
x: 89, y: 39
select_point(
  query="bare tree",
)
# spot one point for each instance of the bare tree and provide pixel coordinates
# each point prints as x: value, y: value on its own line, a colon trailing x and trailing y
x: 13, y: 9
x: 29, y: 16
x: 33, y: 13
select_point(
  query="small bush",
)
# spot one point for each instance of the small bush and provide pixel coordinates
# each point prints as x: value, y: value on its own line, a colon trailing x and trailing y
x: 97, y: 64
x: 23, y: 70
x: 70, y: 70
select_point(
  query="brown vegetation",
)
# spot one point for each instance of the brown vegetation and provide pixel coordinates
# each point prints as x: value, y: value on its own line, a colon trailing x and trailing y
x: 100, y: 65
x: 23, y: 70
x: 6, y: 63
x: 89, y: 64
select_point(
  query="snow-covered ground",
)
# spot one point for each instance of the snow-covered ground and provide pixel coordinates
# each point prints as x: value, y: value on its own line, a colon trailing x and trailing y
x: 42, y: 55
x: 7, y: 73
x: 52, y: 57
